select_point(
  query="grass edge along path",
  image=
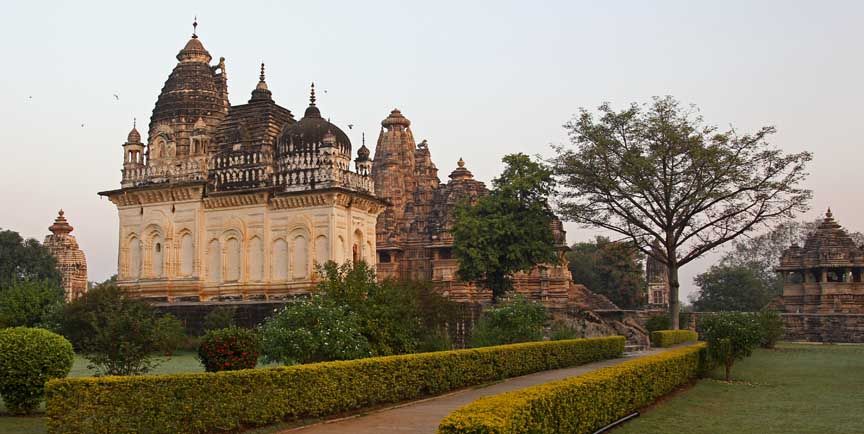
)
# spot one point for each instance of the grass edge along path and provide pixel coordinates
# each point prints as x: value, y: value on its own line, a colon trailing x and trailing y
x: 797, y: 388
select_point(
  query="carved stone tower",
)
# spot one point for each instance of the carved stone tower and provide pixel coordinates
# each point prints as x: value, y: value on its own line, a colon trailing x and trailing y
x: 71, y: 261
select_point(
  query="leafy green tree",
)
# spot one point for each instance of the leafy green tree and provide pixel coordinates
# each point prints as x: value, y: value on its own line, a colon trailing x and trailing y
x: 516, y: 320
x: 220, y: 317
x: 771, y: 325
x: 22, y: 259
x: 169, y: 334
x: 311, y: 330
x: 396, y: 317
x: 29, y: 357
x: 29, y: 303
x: 657, y: 173
x: 731, y: 336
x: 613, y: 269
x: 732, y: 288
x: 116, y: 333
x: 508, y: 230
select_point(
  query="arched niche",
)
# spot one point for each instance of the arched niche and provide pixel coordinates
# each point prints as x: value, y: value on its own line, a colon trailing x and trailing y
x: 322, y: 250
x: 187, y: 254
x: 300, y: 247
x: 256, y: 259
x: 214, y: 261
x: 233, y: 259
x: 279, y: 260
x: 134, y: 258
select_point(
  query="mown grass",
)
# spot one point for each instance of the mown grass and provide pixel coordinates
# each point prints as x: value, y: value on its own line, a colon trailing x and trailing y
x: 183, y: 361
x: 796, y: 388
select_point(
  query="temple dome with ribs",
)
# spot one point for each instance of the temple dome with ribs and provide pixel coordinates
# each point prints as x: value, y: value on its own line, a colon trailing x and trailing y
x: 309, y: 132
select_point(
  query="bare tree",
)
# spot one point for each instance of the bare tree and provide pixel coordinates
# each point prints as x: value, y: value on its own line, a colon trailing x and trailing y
x: 656, y: 172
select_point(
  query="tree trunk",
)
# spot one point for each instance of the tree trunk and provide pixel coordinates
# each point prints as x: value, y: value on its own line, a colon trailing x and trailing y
x: 674, y: 305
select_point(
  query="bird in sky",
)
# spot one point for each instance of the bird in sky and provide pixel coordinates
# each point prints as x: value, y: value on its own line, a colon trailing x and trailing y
x: 117, y: 97
x: 82, y: 125
x: 350, y: 126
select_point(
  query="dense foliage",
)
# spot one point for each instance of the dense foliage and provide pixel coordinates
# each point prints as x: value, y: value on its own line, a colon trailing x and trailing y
x: 313, y: 330
x: 204, y: 403
x: 730, y: 336
x: 229, y: 349
x: 677, y: 188
x: 23, y: 260
x: 220, y: 317
x: 29, y: 357
x: 771, y: 326
x: 29, y: 303
x: 116, y: 333
x: 613, y: 269
x: 509, y: 229
x: 169, y: 334
x: 515, y: 320
x: 732, y: 288
x: 580, y: 404
x: 659, y: 322
x: 668, y: 338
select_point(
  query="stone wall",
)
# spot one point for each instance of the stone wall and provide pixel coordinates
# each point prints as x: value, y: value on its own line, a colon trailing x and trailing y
x: 837, y: 327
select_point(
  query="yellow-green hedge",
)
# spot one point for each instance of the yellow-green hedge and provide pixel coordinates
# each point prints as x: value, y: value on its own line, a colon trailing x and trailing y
x: 215, y: 402
x: 579, y: 404
x: 668, y: 338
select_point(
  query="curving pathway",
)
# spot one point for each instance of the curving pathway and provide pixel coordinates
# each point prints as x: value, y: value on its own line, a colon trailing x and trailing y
x: 423, y: 416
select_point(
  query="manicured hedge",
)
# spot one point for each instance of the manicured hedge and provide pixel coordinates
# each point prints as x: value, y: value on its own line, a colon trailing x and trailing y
x: 210, y: 402
x: 668, y: 338
x: 579, y: 404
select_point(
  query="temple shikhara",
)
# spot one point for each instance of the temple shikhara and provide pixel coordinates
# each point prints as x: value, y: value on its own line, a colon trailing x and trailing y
x: 239, y: 202
x: 71, y: 261
x: 825, y: 275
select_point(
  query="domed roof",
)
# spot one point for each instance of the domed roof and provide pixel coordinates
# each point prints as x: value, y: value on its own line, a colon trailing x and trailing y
x: 134, y: 136
x: 311, y: 129
x: 194, y: 51
x: 363, y: 153
x: 395, y: 118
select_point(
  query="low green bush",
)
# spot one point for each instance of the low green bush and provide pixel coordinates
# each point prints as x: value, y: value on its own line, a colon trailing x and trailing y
x: 509, y: 322
x: 771, y: 324
x: 658, y: 322
x: 226, y: 401
x: 668, y: 338
x: 731, y: 336
x: 229, y: 349
x: 169, y: 334
x: 29, y: 357
x: 579, y: 404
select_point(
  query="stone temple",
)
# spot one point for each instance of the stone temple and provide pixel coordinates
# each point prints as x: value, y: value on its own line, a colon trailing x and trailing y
x: 71, y: 261
x: 823, y: 286
x: 229, y: 202
x: 238, y: 202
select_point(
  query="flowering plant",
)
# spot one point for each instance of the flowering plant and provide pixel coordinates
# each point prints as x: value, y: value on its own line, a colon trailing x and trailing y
x: 229, y: 349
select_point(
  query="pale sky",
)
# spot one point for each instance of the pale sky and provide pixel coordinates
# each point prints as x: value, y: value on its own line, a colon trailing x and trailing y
x: 477, y: 79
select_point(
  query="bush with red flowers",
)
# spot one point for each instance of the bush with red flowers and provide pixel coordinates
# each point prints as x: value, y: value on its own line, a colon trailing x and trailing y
x: 229, y: 349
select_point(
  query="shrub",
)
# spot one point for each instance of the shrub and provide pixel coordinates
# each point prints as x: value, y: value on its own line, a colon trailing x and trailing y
x: 395, y: 317
x: 28, y: 359
x: 229, y: 349
x: 117, y: 334
x: 771, y: 325
x: 29, y: 303
x: 560, y: 330
x: 579, y: 404
x: 515, y: 320
x: 221, y: 317
x: 313, y: 330
x: 659, y: 322
x: 169, y: 334
x: 730, y: 336
x: 668, y: 338
x: 229, y: 401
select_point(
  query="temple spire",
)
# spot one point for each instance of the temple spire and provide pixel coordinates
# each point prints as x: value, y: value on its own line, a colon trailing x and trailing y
x: 312, y: 95
x: 261, y: 77
x: 195, y: 27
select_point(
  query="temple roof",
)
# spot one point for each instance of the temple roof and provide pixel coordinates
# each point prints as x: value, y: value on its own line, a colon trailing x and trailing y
x: 60, y: 226
x: 829, y: 245
x: 311, y: 129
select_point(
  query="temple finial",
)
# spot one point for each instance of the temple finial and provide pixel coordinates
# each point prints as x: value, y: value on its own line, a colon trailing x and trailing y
x: 364, y: 138
x: 829, y: 214
x: 195, y: 27
x: 461, y: 162
x: 134, y: 122
x: 262, y: 72
x: 312, y: 95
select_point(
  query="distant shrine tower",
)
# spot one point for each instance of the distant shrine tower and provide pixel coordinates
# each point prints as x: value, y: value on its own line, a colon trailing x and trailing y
x: 824, y: 276
x: 71, y: 261
x: 658, y: 281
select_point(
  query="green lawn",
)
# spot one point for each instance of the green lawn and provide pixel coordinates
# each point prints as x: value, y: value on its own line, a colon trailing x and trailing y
x: 180, y: 362
x: 797, y: 388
